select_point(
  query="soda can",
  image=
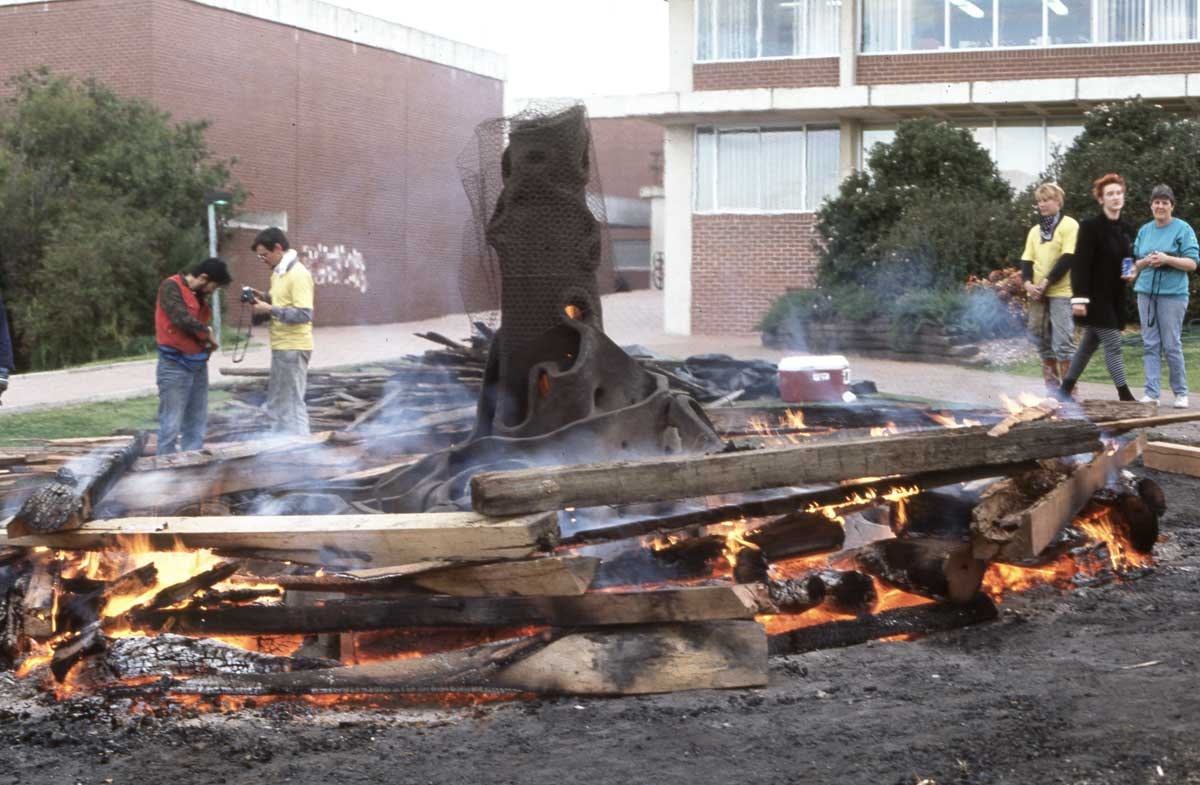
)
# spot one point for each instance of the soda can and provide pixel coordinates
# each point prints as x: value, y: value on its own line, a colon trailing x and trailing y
x: 1126, y: 267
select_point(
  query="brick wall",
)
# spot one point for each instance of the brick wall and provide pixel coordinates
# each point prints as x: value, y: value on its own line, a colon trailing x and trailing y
x: 740, y: 263
x: 1029, y: 63
x: 749, y: 74
x: 629, y: 154
x: 358, y: 145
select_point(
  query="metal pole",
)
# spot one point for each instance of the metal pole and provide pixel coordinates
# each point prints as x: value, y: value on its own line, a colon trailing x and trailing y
x: 212, y: 251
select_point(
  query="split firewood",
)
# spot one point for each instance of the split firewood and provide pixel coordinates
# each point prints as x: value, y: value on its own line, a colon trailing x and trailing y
x: 88, y: 642
x: 67, y: 501
x: 1015, y: 528
x: 696, y: 603
x: 796, y: 595
x: 178, y: 592
x: 915, y: 620
x: 77, y: 611
x: 797, y: 534
x: 939, y: 569
x: 40, y: 598
x: 375, y: 539
x: 1038, y: 411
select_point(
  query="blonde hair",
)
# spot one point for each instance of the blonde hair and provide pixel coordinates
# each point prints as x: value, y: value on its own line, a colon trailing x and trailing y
x: 1050, y: 191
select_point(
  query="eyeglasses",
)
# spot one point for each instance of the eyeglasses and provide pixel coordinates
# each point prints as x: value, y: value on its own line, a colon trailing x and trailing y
x: 262, y: 256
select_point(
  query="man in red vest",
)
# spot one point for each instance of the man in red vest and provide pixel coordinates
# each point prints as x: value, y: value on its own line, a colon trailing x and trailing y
x: 185, y: 340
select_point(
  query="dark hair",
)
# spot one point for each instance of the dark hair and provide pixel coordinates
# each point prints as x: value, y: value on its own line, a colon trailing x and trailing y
x: 269, y: 238
x: 216, y: 270
x: 1103, y: 182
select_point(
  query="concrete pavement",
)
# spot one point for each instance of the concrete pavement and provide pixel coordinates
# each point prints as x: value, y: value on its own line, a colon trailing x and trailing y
x: 629, y: 318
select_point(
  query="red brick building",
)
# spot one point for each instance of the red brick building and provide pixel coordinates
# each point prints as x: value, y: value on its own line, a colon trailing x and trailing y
x: 772, y: 103
x: 346, y: 128
x: 629, y: 154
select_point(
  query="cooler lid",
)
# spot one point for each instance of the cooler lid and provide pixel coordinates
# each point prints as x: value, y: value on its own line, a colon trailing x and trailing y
x: 814, y: 362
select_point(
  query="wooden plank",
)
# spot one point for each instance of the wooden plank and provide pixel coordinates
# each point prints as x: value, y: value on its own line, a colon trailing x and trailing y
x: 37, y: 608
x: 375, y: 539
x: 1121, y: 426
x: 553, y: 576
x: 640, y: 661
x: 693, y: 603
x: 68, y: 500
x: 1036, y: 527
x: 1174, y: 458
x: 589, y: 485
x: 227, y: 452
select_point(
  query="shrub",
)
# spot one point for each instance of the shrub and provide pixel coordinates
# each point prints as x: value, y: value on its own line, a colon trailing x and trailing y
x: 931, y: 209
x: 100, y: 198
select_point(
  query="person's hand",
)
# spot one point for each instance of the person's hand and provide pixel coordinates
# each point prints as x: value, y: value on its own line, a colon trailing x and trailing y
x: 261, y: 308
x: 1079, y: 309
x: 1034, y: 292
x: 1157, y: 259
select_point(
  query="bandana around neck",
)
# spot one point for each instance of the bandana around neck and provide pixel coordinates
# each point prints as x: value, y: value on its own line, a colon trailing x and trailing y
x: 1047, y: 224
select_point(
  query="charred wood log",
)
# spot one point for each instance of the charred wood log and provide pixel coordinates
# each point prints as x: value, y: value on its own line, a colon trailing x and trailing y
x: 798, y: 594
x: 797, y: 534
x: 916, y: 620
x: 67, y: 501
x: 78, y: 610
x: 509, y: 492
x: 178, y: 592
x: 939, y: 569
x: 88, y: 642
x: 848, y: 591
x: 700, y: 603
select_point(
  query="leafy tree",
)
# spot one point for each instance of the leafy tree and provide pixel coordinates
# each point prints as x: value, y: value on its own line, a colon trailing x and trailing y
x: 930, y: 210
x: 1143, y: 143
x: 100, y: 197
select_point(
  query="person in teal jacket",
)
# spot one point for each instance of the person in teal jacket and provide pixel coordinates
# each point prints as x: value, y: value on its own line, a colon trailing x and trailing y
x: 1166, y: 252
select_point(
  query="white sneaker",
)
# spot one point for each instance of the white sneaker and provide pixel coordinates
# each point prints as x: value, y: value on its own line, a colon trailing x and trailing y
x: 1181, y: 402
x: 1148, y: 399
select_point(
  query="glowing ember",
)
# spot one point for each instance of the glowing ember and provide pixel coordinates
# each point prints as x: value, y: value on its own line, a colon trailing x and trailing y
x: 885, y: 430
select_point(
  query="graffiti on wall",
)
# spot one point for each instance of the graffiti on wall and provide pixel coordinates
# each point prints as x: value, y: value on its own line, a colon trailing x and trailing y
x: 335, y: 265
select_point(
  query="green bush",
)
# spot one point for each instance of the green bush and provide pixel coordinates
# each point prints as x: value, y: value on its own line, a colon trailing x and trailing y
x: 931, y: 209
x: 100, y: 198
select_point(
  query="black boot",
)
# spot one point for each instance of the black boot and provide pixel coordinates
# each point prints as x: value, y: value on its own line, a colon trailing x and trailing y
x: 1064, y: 392
x: 1123, y: 393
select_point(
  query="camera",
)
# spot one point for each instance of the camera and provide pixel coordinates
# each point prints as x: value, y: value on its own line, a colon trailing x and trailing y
x: 248, y: 295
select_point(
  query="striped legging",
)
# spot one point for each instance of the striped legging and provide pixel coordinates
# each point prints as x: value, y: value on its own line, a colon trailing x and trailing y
x: 1088, y: 343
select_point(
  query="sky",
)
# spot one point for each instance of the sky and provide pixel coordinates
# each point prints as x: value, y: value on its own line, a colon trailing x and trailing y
x: 555, y: 48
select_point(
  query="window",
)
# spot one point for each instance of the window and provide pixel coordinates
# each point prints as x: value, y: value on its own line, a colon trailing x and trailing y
x: 765, y: 169
x: 1021, y: 151
x: 751, y: 29
x: 631, y: 254
x: 919, y: 25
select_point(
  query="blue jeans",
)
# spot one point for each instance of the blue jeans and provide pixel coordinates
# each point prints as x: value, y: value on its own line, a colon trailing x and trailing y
x: 182, y: 406
x: 1162, y: 333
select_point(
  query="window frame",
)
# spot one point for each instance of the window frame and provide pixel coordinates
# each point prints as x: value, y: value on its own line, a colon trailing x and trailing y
x: 995, y: 47
x: 715, y: 186
x: 758, y: 39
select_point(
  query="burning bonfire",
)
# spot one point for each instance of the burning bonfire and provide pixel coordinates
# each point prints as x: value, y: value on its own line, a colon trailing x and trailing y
x: 596, y: 531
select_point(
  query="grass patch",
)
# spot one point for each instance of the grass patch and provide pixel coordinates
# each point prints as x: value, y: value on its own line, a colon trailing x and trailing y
x: 1134, y: 370
x: 89, y: 419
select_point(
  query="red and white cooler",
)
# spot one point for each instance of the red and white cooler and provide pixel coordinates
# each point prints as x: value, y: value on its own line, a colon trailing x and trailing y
x: 814, y: 377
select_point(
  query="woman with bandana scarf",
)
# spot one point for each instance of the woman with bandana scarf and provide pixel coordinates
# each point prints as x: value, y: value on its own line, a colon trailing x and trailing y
x: 1045, y: 264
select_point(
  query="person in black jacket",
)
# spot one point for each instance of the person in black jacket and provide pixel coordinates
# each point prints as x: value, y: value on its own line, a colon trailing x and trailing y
x: 1097, y: 286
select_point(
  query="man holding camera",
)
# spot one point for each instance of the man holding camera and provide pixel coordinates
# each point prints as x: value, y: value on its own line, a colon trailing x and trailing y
x: 289, y: 309
x: 185, y: 338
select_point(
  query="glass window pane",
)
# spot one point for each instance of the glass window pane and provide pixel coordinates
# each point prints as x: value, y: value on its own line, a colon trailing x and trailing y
x: 1069, y: 21
x: 706, y: 172
x: 737, y: 170
x: 985, y: 135
x: 922, y: 24
x: 1120, y: 20
x: 737, y: 29
x: 823, y: 170
x: 1060, y: 137
x: 1019, y: 153
x: 782, y: 169
x: 804, y: 28
x: 970, y: 24
x: 872, y: 137
x: 1172, y: 20
x: 879, y: 25
x: 704, y: 14
x: 631, y: 254
x: 1021, y: 22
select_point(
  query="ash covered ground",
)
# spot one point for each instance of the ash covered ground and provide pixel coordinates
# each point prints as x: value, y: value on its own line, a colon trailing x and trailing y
x: 1044, y: 695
